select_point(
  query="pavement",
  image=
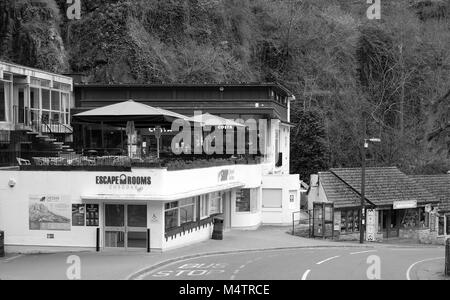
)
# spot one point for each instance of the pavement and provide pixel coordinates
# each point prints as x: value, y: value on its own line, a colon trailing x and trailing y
x: 274, y: 247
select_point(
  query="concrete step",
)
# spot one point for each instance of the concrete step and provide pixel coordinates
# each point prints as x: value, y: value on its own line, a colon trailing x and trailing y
x: 32, y: 133
x: 58, y: 143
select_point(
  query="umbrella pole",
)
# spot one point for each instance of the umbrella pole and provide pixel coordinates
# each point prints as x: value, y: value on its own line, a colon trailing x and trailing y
x: 157, y: 146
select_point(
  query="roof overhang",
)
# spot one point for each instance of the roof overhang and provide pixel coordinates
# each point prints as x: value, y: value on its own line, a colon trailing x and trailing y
x: 170, y: 197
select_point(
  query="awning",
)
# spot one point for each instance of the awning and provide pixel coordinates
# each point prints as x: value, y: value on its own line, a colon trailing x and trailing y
x: 172, y: 197
x: 121, y: 113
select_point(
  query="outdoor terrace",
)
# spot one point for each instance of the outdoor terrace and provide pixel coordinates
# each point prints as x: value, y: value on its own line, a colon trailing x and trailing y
x: 80, y: 162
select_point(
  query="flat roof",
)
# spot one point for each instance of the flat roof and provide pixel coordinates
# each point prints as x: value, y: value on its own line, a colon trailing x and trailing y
x: 24, y: 70
x: 274, y: 85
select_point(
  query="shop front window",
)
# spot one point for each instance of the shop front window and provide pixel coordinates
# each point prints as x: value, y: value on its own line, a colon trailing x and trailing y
x: 247, y: 200
x: 179, y: 212
x: 350, y: 221
x: 171, y: 218
x: 414, y: 218
x: 204, y: 206
x: 215, y: 204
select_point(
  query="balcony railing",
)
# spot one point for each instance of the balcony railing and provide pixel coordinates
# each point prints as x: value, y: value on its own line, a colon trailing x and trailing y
x: 32, y: 118
x: 58, y: 161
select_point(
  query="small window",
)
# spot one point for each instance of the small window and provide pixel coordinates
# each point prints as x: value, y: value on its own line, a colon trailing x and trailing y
x: 448, y: 224
x: 441, y: 225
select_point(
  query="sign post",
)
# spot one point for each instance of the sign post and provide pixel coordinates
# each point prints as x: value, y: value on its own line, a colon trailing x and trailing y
x: 447, y: 257
x: 370, y: 231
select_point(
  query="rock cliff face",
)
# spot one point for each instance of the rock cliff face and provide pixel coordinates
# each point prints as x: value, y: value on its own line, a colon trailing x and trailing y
x: 30, y: 34
x: 309, y: 45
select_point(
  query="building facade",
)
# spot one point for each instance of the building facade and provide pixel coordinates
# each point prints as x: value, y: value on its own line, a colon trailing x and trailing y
x: 35, y: 110
x: 397, y: 206
x: 54, y: 204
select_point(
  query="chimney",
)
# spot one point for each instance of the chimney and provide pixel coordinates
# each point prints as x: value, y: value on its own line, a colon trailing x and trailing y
x: 314, y: 180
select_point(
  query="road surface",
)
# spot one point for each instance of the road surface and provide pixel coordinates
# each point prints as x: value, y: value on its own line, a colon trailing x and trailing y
x: 384, y: 263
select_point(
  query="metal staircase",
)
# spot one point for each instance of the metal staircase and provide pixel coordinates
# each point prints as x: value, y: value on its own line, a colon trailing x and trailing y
x: 51, y: 136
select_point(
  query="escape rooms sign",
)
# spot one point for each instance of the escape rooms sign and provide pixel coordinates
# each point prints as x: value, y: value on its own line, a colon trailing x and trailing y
x: 123, y: 180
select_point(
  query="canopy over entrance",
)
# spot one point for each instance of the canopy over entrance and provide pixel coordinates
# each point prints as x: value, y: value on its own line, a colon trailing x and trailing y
x: 141, y: 114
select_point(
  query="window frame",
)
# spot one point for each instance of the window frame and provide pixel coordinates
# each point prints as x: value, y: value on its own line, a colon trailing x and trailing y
x: 355, y: 215
x: 447, y: 224
x: 439, y: 232
x: 253, y: 205
x: 175, y: 206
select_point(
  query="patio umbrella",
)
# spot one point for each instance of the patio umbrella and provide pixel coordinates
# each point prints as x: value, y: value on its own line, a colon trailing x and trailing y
x: 212, y: 120
x: 120, y: 114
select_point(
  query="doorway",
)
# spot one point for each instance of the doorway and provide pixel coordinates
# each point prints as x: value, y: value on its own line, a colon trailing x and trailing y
x: 125, y: 226
x: 390, y: 223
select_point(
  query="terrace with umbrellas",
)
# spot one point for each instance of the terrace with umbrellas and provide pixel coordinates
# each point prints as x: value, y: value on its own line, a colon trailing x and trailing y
x: 132, y: 134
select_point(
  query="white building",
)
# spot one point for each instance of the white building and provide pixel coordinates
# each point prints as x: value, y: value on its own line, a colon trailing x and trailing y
x: 54, y: 204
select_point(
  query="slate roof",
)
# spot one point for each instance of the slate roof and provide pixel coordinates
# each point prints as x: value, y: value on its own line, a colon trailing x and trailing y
x: 338, y: 192
x: 438, y: 185
x: 383, y: 187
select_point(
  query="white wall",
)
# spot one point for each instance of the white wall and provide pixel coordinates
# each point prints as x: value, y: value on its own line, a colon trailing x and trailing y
x: 246, y: 220
x: 180, y: 240
x: 283, y: 215
x: 81, y: 187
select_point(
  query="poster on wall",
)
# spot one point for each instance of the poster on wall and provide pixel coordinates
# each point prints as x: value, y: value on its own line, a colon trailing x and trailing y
x: 92, y: 215
x: 49, y: 212
x: 78, y: 214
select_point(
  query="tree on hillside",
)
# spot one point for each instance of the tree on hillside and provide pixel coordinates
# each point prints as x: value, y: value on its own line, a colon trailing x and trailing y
x: 309, y: 151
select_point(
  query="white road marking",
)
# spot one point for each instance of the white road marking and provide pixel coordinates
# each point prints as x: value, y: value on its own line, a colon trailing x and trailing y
x: 361, y: 252
x: 419, y: 262
x: 328, y: 259
x: 12, y: 258
x: 306, y: 274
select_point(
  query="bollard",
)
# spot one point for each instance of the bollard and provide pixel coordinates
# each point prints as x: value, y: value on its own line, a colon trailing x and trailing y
x: 148, y: 241
x: 98, y: 240
x: 447, y: 257
x: 2, y: 244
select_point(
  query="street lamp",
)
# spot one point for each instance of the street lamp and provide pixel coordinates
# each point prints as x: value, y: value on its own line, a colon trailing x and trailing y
x: 363, y: 185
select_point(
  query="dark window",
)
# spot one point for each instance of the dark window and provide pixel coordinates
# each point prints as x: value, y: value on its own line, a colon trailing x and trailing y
x: 45, y: 99
x: 2, y: 102
x: 441, y: 230
x: 448, y: 224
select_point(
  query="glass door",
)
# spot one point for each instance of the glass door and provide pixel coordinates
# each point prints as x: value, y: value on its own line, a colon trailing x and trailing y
x: 125, y: 226
x: 114, y: 226
x: 136, y: 226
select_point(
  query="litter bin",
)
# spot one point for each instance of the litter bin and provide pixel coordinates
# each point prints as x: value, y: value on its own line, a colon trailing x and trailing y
x: 218, y: 229
x: 2, y: 244
x: 447, y: 257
